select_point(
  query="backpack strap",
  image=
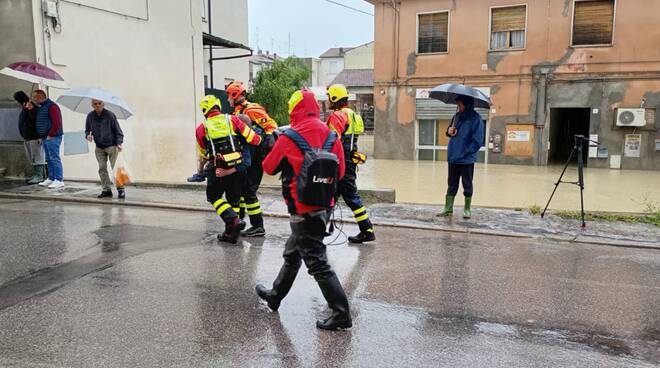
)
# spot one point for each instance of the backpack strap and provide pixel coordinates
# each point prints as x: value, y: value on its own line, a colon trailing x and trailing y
x: 330, y: 141
x: 298, y: 140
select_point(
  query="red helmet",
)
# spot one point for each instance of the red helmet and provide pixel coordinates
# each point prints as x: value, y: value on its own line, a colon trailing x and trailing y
x: 235, y: 90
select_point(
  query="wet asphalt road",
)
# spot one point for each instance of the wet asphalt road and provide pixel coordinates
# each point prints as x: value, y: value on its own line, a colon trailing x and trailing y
x: 89, y: 286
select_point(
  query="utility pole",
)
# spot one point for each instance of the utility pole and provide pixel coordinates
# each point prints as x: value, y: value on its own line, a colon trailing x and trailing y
x: 289, y: 43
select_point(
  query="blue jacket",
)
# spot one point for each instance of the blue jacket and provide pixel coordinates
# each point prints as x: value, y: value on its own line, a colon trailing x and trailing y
x: 463, y: 147
x: 43, y: 119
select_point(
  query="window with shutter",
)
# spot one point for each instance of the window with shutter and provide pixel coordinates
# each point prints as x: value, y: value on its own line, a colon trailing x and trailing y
x: 433, y: 30
x: 593, y: 22
x: 507, y: 27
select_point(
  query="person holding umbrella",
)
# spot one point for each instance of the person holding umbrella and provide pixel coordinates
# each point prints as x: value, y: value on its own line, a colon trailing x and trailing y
x: 49, y: 124
x: 466, y: 136
x: 466, y: 133
x: 102, y: 128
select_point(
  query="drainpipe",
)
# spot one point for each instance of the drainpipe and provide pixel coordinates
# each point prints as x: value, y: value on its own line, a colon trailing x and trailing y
x: 210, y: 47
x: 541, y: 82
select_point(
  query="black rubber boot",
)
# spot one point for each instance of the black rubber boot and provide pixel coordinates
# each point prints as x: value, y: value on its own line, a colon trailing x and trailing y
x: 337, y: 301
x: 265, y: 294
x: 121, y: 193
x: 281, y: 285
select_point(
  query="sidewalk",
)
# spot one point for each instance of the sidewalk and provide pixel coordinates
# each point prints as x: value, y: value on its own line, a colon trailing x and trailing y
x: 500, y: 222
x: 511, y: 186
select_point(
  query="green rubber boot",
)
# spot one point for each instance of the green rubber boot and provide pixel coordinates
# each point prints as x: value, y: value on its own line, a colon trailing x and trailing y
x: 449, y: 206
x: 467, y: 210
x: 38, y: 175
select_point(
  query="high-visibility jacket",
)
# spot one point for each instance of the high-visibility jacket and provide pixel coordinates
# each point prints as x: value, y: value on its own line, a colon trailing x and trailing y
x: 346, y: 122
x: 257, y: 115
x: 217, y: 139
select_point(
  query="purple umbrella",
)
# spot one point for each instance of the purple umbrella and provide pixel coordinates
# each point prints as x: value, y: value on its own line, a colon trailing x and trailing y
x: 35, y: 73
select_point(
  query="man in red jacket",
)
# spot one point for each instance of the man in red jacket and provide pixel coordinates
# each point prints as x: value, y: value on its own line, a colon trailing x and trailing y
x: 308, y: 223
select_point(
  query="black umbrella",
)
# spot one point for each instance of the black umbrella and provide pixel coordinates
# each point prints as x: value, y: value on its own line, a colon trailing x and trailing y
x: 447, y: 93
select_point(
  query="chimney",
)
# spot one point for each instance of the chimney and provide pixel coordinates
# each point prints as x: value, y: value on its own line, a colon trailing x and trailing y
x: 267, y: 52
x: 341, y: 51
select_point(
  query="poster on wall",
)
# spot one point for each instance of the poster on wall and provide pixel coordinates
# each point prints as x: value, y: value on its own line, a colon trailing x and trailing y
x: 519, y: 140
x: 518, y: 136
x: 633, y: 145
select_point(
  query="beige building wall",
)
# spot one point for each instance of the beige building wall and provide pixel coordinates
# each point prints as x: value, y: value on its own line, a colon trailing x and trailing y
x: 525, y: 84
x: 230, y: 21
x: 150, y: 54
x: 361, y: 57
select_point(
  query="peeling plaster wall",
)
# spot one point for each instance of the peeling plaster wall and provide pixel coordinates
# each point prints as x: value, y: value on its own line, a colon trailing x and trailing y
x: 388, y: 129
x: 525, y: 84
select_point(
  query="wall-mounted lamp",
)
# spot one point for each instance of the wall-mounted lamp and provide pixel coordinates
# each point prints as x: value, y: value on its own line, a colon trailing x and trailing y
x: 382, y: 92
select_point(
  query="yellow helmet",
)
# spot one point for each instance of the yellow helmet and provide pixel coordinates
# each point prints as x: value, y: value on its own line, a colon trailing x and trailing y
x: 207, y: 103
x: 295, y: 99
x: 336, y: 92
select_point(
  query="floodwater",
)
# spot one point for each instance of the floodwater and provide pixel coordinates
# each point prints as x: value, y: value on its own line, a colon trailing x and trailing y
x: 515, y: 186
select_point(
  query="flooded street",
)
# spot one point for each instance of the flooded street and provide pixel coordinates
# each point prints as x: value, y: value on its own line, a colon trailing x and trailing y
x: 118, y: 286
x: 513, y: 186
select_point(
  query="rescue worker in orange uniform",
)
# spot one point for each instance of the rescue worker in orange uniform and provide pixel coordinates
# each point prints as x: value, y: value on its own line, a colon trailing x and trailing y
x: 349, y: 125
x: 220, y: 150
x: 264, y: 125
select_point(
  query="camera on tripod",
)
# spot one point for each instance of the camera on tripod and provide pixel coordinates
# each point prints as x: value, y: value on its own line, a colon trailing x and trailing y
x: 580, y: 141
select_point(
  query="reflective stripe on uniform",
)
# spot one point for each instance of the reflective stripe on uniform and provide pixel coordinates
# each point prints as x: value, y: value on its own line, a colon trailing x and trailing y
x: 362, y: 218
x: 253, y: 208
x: 359, y: 211
x: 254, y: 211
x: 222, y: 208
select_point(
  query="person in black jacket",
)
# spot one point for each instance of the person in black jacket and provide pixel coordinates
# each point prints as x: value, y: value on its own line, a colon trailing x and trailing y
x: 27, y: 126
x: 102, y: 128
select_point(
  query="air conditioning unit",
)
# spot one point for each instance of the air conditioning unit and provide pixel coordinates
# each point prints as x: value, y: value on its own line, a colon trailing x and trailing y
x: 630, y: 117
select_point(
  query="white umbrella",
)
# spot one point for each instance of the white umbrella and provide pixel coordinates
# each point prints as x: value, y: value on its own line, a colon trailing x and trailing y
x: 79, y: 99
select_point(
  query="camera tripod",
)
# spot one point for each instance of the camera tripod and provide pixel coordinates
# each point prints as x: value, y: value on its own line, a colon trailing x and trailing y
x: 580, y: 141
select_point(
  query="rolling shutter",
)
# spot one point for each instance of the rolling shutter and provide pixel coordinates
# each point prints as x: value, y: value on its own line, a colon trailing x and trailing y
x: 433, y: 30
x: 428, y: 108
x: 508, y: 19
x: 593, y: 22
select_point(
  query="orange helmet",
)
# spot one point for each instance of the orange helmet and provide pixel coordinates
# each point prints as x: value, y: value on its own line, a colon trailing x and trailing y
x: 235, y: 90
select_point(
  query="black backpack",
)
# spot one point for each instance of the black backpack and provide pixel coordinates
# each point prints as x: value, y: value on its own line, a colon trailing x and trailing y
x: 319, y: 173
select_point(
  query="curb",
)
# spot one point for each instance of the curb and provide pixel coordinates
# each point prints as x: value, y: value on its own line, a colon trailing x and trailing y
x: 382, y: 195
x: 579, y: 239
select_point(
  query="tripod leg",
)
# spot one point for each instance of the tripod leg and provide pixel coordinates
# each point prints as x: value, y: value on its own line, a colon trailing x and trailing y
x: 570, y: 157
x: 581, y: 183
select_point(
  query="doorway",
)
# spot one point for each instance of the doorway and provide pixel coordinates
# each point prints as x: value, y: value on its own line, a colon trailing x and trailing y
x: 565, y: 123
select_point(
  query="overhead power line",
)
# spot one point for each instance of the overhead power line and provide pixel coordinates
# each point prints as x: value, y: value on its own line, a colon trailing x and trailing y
x: 349, y: 7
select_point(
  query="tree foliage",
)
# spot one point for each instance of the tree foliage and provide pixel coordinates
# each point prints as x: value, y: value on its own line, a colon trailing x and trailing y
x: 274, y: 86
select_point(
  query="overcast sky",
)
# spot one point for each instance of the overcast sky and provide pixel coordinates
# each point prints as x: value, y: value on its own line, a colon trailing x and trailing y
x: 314, y: 25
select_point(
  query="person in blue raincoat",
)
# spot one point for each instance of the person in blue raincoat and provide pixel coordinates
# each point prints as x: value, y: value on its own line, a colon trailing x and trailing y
x: 466, y: 137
